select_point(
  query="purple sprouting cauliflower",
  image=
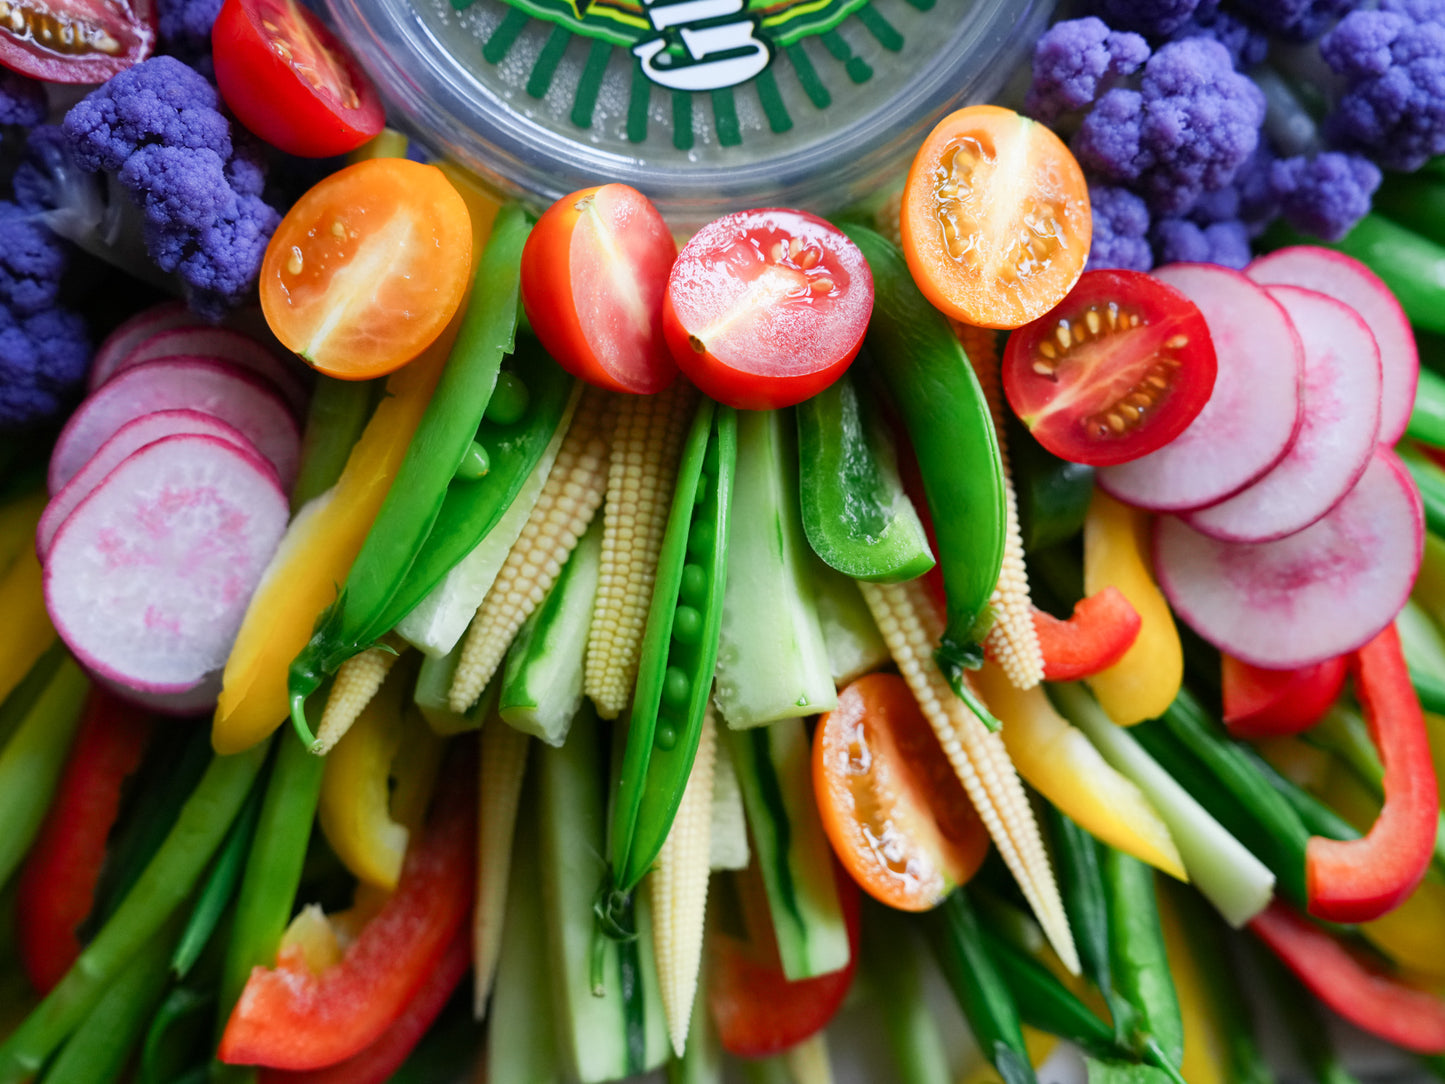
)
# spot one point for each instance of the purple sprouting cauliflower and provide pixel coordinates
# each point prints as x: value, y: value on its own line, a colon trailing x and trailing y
x: 1121, y: 230
x: 1077, y: 60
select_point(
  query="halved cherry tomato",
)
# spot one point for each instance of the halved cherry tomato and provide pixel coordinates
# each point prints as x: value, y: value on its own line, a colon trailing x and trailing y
x: 368, y: 267
x: 1101, y: 629
x: 76, y: 41
x: 593, y: 275
x: 758, y: 1012
x: 895, y: 812
x: 1262, y: 703
x: 1117, y: 370
x: 995, y: 219
x: 290, y: 81
x: 766, y: 308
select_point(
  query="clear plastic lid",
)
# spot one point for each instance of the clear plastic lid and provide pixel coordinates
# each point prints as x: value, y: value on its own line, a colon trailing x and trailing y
x: 705, y: 105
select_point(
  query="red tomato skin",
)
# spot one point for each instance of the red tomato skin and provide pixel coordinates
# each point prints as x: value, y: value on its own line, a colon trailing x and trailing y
x: 554, y: 285
x: 271, y: 98
x: 1261, y: 703
x: 130, y: 23
x: 731, y: 374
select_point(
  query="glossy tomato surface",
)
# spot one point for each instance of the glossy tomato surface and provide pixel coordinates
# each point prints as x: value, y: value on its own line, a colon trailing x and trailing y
x: 290, y: 81
x: 368, y: 267
x: 766, y: 308
x: 1119, y: 369
x: 995, y: 219
x: 593, y: 276
x: 892, y: 807
x: 76, y: 41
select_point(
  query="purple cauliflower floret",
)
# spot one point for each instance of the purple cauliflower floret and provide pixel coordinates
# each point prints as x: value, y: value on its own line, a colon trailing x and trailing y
x: 184, y: 28
x: 1077, y: 60
x: 1180, y: 240
x: 43, y: 359
x: 1188, y: 128
x: 1295, y: 20
x: 1393, y: 62
x: 1121, y: 230
x: 157, y: 127
x: 32, y: 259
x: 1152, y: 18
x: 1247, y: 44
x: 22, y: 100
x: 1324, y: 195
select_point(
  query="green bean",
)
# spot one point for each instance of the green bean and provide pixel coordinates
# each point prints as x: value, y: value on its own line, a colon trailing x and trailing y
x: 32, y: 760
x: 891, y: 965
x: 1415, y: 201
x: 220, y: 887
x: 1427, y: 418
x: 168, y: 879
x: 1318, y: 818
x: 339, y: 412
x: 1138, y: 961
x: 178, y: 1037
x: 1430, y: 480
x: 1046, y: 1003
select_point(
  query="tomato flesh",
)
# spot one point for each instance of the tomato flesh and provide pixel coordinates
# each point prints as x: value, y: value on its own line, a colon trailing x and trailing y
x: 766, y: 308
x: 995, y: 219
x: 76, y: 41
x: 1119, y: 369
x: 892, y: 807
x: 593, y: 276
x: 1261, y: 703
x: 290, y: 81
x: 368, y: 267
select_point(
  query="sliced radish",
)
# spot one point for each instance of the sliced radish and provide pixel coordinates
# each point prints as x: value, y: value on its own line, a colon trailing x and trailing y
x: 1332, y: 450
x: 1252, y: 415
x: 149, y: 577
x: 197, y: 700
x: 247, y: 402
x: 1309, y: 597
x: 130, y: 437
x: 1346, y: 279
x: 218, y: 344
x: 128, y: 335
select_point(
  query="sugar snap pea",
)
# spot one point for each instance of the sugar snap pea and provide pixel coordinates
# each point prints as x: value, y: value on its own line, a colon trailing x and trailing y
x: 1138, y: 960
x: 679, y: 648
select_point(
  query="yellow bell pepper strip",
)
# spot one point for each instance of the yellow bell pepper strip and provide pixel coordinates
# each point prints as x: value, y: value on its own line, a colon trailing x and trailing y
x: 25, y: 632
x: 1145, y: 681
x: 1060, y: 762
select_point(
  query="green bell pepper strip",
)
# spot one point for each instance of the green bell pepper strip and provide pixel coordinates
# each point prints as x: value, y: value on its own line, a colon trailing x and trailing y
x: 947, y: 417
x: 855, y: 513
x: 1053, y: 494
x: 219, y: 889
x: 679, y: 649
x: 168, y: 880
x: 32, y: 760
x: 1139, y: 963
x: 412, y: 504
x: 979, y: 987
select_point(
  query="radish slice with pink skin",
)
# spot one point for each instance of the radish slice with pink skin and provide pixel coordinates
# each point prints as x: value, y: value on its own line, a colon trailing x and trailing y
x: 149, y: 577
x: 130, y: 334
x: 197, y: 700
x: 1332, y: 450
x: 1253, y: 413
x: 1309, y: 597
x: 1346, y: 279
x: 130, y: 437
x: 247, y: 402
x: 219, y: 344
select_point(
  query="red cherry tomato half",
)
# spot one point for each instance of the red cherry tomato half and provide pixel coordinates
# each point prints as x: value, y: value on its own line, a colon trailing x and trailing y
x: 1117, y: 370
x: 76, y: 41
x: 593, y: 275
x: 290, y: 81
x: 766, y: 308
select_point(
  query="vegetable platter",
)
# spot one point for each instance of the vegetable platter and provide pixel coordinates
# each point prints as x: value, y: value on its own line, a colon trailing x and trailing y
x: 992, y: 630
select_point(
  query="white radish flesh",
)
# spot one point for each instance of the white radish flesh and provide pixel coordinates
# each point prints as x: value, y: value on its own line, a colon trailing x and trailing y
x: 1253, y: 413
x: 240, y: 399
x: 1336, y: 438
x: 1309, y: 597
x: 219, y: 344
x: 128, y: 335
x: 149, y: 577
x: 1346, y: 279
x: 130, y: 437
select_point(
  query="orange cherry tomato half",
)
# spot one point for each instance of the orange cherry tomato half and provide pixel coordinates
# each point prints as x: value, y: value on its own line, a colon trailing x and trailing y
x: 593, y: 275
x: 995, y: 218
x: 896, y: 814
x: 368, y: 267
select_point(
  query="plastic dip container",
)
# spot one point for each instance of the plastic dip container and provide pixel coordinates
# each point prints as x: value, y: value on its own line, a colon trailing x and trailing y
x: 705, y: 105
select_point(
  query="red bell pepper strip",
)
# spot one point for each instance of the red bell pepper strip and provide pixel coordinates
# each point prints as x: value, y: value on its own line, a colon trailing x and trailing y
x: 57, y: 883
x: 385, y: 1056
x: 290, y: 1018
x: 1360, y: 879
x: 1262, y: 703
x: 1368, y: 998
x: 1098, y: 633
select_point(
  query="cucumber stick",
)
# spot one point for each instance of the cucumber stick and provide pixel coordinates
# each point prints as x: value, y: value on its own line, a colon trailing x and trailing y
x: 433, y: 685
x: 854, y: 644
x: 542, y: 683
x: 774, y: 766
x: 772, y: 662
x: 602, y: 1034
x: 729, y: 830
